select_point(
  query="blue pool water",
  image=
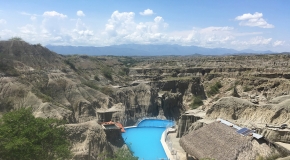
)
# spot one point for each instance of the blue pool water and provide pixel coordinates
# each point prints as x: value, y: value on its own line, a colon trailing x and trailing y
x: 144, y: 140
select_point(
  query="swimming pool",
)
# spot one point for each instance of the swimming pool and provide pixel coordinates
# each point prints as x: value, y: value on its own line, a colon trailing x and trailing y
x: 144, y: 139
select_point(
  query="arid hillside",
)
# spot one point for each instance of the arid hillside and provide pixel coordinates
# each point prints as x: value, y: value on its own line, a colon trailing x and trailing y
x: 80, y: 88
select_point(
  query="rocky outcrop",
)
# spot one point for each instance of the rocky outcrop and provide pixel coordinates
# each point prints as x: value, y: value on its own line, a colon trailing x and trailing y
x: 187, y: 123
x: 89, y: 141
x: 266, y: 119
x: 139, y: 101
x: 245, y: 112
x: 35, y: 56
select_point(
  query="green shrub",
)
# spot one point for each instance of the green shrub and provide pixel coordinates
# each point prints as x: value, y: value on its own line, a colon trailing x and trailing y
x: 107, y: 90
x: 96, y: 77
x: 128, y: 61
x: 214, y: 89
x: 7, y: 68
x: 196, y: 102
x: 44, y: 97
x: 121, y: 154
x: 92, y: 85
x: 247, y: 88
x: 22, y: 136
x: 6, y: 105
x: 107, y: 72
x: 71, y: 65
x: 15, y: 39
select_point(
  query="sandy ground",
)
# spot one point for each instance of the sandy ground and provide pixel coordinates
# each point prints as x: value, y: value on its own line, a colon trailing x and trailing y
x: 176, y: 147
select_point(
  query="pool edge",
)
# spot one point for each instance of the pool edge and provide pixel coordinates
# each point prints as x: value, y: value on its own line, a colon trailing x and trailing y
x: 164, y: 144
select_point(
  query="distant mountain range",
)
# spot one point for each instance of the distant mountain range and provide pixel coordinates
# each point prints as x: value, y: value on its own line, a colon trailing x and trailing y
x: 147, y: 50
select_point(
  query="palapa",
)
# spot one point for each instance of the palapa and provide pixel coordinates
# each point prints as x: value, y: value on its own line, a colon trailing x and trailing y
x: 221, y: 142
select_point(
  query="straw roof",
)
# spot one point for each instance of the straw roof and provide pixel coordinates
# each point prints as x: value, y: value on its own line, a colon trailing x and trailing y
x: 221, y: 142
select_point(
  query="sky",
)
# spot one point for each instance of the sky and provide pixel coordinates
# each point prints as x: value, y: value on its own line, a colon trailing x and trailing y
x: 235, y: 24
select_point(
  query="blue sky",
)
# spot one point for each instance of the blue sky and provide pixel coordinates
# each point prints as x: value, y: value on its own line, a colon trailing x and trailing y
x: 243, y: 24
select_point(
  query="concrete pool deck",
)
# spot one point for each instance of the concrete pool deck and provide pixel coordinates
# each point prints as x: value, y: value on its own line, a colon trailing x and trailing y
x: 164, y: 144
x: 180, y: 153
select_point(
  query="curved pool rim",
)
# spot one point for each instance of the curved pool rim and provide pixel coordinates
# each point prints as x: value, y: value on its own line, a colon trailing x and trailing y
x: 163, y: 134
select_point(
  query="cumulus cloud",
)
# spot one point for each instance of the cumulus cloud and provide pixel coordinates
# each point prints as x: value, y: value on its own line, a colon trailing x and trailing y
x: 54, y: 14
x: 146, y: 12
x: 278, y: 43
x: 28, y: 29
x: 80, y: 13
x: 207, y: 37
x: 253, y: 20
x: 122, y: 28
x: 3, y: 21
x: 81, y: 29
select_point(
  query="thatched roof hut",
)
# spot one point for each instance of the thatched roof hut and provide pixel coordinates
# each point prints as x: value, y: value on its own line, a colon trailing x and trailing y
x: 221, y: 142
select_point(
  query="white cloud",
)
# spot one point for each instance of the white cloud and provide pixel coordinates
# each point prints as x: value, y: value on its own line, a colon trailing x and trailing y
x: 253, y: 20
x: 80, y: 13
x: 248, y: 16
x: 33, y: 17
x: 278, y: 43
x: 254, y: 41
x: 207, y: 37
x: 25, y: 13
x: 121, y: 28
x: 28, y: 29
x: 260, y: 40
x: 82, y: 30
x: 3, y: 21
x: 54, y: 14
x: 146, y: 12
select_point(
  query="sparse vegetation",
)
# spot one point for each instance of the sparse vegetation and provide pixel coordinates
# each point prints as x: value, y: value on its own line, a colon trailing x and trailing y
x: 247, y: 88
x: 124, y: 71
x: 91, y: 84
x: 96, y: 77
x: 71, y: 65
x: 107, y: 72
x: 214, y: 89
x: 196, y: 102
x: 271, y: 157
x: 121, y: 154
x: 7, y: 68
x: 106, y: 90
x: 128, y: 61
x: 6, y: 105
x: 15, y: 39
x: 43, y: 97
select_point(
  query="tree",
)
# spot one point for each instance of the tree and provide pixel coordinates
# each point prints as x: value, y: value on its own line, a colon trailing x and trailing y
x: 121, y: 154
x: 22, y: 136
x: 16, y: 39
